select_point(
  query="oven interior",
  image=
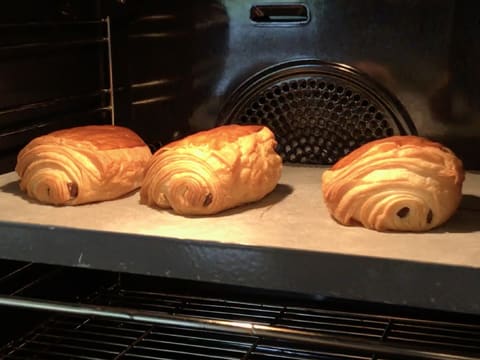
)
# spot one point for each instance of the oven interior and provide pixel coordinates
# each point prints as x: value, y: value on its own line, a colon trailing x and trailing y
x: 168, y: 68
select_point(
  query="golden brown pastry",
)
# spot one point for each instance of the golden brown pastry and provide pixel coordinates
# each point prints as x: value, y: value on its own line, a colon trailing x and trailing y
x: 82, y: 165
x: 213, y: 170
x: 400, y: 183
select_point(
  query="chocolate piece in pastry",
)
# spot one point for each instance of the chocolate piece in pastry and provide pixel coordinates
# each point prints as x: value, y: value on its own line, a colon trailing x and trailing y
x: 213, y: 170
x: 400, y: 183
x: 82, y: 165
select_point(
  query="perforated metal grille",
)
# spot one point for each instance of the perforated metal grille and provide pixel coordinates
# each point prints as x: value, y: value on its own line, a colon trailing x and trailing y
x: 317, y: 121
x: 317, y: 116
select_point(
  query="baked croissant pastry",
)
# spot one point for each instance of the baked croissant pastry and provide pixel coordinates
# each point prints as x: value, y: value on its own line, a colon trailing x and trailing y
x: 213, y: 170
x: 82, y: 165
x: 400, y: 183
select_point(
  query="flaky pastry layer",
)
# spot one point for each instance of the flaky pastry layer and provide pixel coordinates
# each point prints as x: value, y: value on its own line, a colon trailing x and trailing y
x: 400, y: 183
x: 82, y: 165
x: 213, y: 170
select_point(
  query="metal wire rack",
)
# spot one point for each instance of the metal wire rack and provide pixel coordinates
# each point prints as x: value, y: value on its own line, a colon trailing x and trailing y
x: 179, y: 326
x: 47, y: 36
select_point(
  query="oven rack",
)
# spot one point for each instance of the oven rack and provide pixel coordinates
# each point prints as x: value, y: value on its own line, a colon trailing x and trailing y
x: 76, y: 63
x: 132, y: 317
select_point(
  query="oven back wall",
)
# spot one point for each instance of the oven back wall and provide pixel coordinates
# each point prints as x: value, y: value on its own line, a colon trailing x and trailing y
x: 175, y: 63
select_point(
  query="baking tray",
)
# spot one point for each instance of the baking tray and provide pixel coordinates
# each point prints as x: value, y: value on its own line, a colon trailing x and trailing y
x: 287, y: 241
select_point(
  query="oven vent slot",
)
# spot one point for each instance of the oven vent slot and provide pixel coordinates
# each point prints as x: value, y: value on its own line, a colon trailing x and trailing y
x: 275, y: 14
x: 169, y: 325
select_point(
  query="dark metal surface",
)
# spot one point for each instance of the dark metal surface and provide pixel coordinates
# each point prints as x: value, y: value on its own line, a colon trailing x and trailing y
x: 422, y: 52
x: 152, y: 46
x: 315, y: 273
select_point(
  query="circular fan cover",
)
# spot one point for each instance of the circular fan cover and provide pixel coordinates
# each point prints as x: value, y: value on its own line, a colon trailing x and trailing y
x: 318, y: 111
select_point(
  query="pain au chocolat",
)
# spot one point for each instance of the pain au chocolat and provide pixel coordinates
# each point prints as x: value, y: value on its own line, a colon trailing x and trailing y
x: 400, y: 183
x: 213, y: 170
x: 82, y: 165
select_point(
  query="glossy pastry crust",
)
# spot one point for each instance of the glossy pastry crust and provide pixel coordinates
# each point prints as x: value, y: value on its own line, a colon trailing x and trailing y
x: 82, y: 165
x: 213, y: 170
x: 400, y: 183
